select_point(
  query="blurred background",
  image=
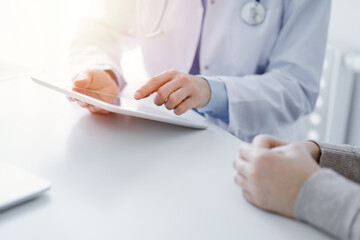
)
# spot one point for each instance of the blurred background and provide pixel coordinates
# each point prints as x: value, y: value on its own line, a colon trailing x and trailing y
x: 36, y: 32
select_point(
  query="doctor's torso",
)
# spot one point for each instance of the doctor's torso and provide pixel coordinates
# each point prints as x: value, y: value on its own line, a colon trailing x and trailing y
x: 265, y: 75
x: 229, y: 46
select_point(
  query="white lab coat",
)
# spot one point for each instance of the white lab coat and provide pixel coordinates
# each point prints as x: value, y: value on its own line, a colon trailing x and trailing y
x: 271, y: 71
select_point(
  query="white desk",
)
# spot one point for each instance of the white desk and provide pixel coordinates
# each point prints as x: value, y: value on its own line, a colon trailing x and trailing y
x: 116, y: 177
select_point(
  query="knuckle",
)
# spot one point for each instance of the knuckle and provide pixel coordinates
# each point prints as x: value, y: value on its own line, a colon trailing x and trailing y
x: 183, y: 79
x: 188, y: 81
x: 173, y: 71
x: 261, y: 138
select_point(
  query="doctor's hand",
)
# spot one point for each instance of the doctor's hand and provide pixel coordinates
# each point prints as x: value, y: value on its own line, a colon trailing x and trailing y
x: 177, y: 91
x: 272, y: 178
x: 98, y: 84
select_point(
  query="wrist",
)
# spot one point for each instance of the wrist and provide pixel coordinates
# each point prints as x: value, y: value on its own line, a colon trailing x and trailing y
x: 314, y: 150
x: 217, y: 106
x: 207, y: 91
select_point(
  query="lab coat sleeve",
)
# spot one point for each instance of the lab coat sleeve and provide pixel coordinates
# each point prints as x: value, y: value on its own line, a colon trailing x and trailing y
x: 101, y: 40
x: 218, y: 103
x: 289, y: 87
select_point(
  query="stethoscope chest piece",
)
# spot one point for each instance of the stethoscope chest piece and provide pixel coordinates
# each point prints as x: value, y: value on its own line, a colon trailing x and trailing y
x: 253, y: 13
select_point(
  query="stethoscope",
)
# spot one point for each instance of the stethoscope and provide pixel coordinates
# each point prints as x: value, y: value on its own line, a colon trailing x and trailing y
x: 253, y: 13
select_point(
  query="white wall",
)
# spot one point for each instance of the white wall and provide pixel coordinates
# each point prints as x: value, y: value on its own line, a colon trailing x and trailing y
x: 345, y: 24
x: 354, y: 123
x: 345, y: 34
x: 34, y: 31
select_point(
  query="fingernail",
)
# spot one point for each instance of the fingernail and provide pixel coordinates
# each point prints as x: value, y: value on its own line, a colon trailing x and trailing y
x: 137, y: 95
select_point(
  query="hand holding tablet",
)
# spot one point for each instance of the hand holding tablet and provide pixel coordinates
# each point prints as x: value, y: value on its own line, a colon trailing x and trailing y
x: 92, y: 83
x: 110, y: 101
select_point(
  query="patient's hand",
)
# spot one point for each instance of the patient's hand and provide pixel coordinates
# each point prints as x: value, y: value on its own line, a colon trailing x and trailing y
x: 267, y: 141
x: 271, y: 178
x: 99, y: 84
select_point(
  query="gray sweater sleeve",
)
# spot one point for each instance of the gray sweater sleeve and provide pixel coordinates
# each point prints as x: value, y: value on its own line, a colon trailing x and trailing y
x: 343, y: 159
x: 331, y: 203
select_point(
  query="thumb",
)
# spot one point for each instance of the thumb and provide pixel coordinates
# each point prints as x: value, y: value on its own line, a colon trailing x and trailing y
x: 82, y: 81
x: 267, y: 141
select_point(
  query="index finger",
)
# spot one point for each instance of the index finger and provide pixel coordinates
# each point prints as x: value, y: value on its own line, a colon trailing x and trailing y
x: 154, y: 84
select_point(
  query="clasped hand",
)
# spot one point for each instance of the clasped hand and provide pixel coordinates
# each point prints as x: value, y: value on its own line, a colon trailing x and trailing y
x: 272, y: 172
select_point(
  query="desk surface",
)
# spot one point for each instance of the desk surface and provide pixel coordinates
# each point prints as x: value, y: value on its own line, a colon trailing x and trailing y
x: 117, y: 177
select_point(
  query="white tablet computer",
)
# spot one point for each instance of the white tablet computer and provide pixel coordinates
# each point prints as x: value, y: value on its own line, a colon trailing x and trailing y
x: 17, y: 186
x: 129, y: 106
